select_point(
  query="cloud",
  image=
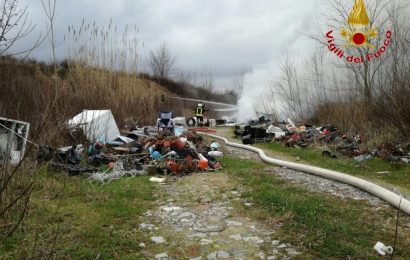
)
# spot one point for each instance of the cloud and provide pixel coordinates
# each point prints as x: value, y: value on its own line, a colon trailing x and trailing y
x: 222, y: 36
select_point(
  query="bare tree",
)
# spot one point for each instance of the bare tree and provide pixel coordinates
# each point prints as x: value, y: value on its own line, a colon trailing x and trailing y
x: 393, y: 81
x: 14, y: 26
x: 363, y: 75
x: 49, y: 7
x: 291, y: 88
x: 238, y: 81
x: 185, y: 77
x: 205, y: 81
x: 269, y: 101
x: 355, y: 94
x: 162, y: 62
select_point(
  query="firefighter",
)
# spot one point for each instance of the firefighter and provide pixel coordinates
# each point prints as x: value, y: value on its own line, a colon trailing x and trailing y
x: 199, y: 113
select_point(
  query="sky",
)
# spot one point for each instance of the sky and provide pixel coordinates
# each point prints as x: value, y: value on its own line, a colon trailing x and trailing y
x: 221, y: 36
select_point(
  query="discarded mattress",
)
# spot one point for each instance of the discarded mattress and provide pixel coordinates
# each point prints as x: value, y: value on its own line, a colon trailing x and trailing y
x: 97, y: 125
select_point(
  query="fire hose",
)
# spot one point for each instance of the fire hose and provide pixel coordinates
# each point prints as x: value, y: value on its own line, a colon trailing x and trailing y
x: 388, y: 196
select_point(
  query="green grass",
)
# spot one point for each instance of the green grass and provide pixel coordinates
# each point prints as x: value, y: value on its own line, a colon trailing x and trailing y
x: 398, y: 175
x: 102, y: 220
x: 92, y: 219
x: 325, y: 226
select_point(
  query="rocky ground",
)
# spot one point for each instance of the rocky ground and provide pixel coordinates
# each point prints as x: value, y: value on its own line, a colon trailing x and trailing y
x: 202, y: 217
x: 200, y: 220
x: 311, y: 182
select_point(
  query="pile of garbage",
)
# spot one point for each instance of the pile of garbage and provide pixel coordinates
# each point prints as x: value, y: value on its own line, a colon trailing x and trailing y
x: 140, y: 151
x: 324, y: 137
x: 136, y: 155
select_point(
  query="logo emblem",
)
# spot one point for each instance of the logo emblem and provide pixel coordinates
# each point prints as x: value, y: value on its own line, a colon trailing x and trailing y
x: 358, y: 34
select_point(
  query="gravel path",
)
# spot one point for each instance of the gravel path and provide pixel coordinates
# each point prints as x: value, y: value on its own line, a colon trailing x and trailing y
x: 200, y: 220
x: 202, y: 216
x: 311, y: 182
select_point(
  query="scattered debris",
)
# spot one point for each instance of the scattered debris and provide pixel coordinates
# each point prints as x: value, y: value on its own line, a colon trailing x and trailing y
x: 363, y: 157
x: 276, y: 131
x: 71, y: 169
x: 161, y: 150
x: 13, y: 139
x: 385, y: 172
x: 326, y: 137
x: 327, y: 153
x: 382, y: 249
x: 115, y: 172
x: 159, y: 180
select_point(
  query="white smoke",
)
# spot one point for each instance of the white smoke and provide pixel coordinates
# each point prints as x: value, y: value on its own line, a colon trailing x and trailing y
x: 257, y: 81
x: 254, y: 86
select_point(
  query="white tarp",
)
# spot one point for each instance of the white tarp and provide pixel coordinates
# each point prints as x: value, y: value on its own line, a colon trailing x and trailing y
x: 98, y: 125
x: 275, y: 130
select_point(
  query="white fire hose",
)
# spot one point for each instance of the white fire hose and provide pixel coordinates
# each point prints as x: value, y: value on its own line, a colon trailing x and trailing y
x: 380, y: 192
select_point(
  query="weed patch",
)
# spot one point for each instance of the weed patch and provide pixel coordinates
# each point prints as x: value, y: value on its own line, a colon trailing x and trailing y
x: 76, y: 218
x: 325, y: 226
x: 375, y: 169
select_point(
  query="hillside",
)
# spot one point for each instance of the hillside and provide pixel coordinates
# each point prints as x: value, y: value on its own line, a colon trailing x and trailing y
x: 31, y: 93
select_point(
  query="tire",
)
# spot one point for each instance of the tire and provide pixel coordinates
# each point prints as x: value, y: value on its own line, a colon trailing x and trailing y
x: 191, y: 122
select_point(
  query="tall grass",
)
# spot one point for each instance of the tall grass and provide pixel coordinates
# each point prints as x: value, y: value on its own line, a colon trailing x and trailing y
x: 104, y: 46
x: 16, y: 186
x: 323, y: 226
x: 31, y: 94
x: 101, y: 73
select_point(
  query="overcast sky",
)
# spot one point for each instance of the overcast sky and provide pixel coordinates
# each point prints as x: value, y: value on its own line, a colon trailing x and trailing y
x: 215, y: 35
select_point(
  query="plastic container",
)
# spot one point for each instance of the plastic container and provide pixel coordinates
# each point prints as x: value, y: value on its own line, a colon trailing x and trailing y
x: 201, y: 157
x: 179, y: 144
x: 216, y: 154
x: 247, y: 139
x: 203, y: 164
x: 173, y: 166
x: 214, y: 164
x: 111, y: 165
x: 215, y: 146
x: 156, y: 156
x: 178, y: 131
x: 382, y: 249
